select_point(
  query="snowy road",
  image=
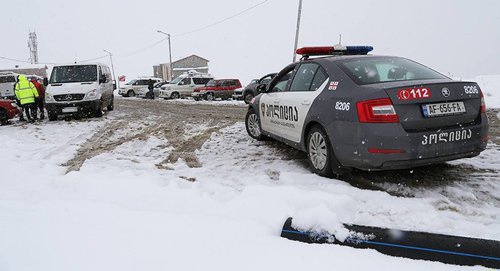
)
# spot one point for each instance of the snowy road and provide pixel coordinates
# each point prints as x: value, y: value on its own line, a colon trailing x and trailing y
x: 155, y: 182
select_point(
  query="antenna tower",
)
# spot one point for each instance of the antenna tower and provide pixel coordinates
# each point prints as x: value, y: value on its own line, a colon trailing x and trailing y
x: 33, y: 45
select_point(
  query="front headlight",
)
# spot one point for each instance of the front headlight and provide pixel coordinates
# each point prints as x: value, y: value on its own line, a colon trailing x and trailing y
x: 49, y: 97
x: 92, y: 94
x: 13, y: 104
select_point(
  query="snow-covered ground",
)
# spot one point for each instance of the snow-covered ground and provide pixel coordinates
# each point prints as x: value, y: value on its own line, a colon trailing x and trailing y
x: 490, y: 85
x: 122, y: 212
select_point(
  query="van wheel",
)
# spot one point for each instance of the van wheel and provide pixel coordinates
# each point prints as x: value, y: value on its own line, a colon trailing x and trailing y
x: 210, y: 96
x: 52, y: 116
x: 175, y: 95
x: 111, y: 105
x: 98, y: 112
x: 130, y: 93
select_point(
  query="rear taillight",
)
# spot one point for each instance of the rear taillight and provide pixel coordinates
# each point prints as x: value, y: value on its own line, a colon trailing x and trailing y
x: 377, y: 111
x: 483, y: 105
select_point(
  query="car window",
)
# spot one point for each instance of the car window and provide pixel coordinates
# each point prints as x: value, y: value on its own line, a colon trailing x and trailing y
x: 201, y: 81
x: 304, y: 76
x: 387, y: 69
x: 282, y: 82
x: 185, y: 81
x: 318, y: 80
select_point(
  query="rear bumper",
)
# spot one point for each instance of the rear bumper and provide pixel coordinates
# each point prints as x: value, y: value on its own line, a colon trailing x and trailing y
x: 81, y: 107
x: 412, y: 149
x: 11, y: 112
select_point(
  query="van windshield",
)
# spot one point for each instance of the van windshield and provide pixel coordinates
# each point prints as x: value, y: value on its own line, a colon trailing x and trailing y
x: 7, y: 79
x: 74, y: 74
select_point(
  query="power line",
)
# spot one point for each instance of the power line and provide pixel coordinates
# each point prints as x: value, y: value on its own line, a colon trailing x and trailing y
x: 25, y: 61
x: 158, y: 42
x: 221, y: 21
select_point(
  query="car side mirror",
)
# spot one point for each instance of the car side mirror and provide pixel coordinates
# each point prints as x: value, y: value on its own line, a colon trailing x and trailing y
x: 114, y: 85
x: 261, y: 88
x: 45, y: 81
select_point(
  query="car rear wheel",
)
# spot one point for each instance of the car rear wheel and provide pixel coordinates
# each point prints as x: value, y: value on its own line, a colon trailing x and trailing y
x: 130, y: 93
x: 4, y: 119
x: 248, y: 97
x: 175, y: 95
x: 320, y: 154
x: 252, y: 124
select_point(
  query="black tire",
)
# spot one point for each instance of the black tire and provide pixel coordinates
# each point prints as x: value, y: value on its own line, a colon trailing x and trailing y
x: 98, y: 111
x: 175, y: 95
x: 252, y: 125
x: 52, y: 116
x: 111, y: 105
x: 130, y: 93
x: 4, y: 119
x: 320, y: 153
x: 210, y: 96
x: 247, y: 97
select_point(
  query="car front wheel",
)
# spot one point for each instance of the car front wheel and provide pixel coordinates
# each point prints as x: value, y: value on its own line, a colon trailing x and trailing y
x: 252, y: 124
x: 130, y: 93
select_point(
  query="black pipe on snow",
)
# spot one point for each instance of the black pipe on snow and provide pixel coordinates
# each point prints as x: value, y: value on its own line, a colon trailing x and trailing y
x: 409, y: 244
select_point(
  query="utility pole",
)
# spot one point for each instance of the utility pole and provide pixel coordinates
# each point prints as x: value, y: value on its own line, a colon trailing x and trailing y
x: 169, y: 54
x: 33, y: 45
x: 112, y: 67
x: 297, y: 31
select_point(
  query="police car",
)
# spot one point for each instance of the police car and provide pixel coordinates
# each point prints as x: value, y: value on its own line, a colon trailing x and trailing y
x: 347, y: 109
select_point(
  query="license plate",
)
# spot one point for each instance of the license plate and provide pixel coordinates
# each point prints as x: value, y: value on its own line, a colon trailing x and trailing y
x: 70, y: 109
x: 443, y: 109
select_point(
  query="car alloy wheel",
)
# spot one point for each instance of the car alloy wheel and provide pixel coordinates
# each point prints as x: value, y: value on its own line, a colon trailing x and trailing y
x: 318, y: 152
x: 253, y: 125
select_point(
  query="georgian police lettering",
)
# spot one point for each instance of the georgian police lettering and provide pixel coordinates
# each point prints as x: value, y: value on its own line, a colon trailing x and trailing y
x: 282, y: 112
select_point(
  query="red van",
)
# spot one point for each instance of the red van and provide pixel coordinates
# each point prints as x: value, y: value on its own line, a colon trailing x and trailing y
x: 217, y: 88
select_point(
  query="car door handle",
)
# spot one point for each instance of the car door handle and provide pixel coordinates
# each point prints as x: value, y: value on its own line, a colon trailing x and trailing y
x: 306, y: 102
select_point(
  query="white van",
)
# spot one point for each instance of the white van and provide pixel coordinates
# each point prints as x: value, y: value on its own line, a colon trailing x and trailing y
x: 7, y: 82
x: 184, y: 85
x: 83, y: 89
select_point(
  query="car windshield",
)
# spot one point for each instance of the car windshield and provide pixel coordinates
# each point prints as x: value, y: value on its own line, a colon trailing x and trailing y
x: 176, y: 80
x: 213, y: 83
x: 386, y: 69
x: 74, y: 74
x: 131, y: 82
x: 7, y: 79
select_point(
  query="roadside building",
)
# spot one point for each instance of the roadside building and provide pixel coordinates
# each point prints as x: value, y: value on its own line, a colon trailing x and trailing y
x: 181, y: 66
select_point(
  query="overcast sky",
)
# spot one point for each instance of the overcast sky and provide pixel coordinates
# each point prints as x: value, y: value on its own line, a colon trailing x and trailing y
x: 459, y: 38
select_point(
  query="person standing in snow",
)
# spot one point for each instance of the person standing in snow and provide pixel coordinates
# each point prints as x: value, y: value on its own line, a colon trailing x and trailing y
x: 150, y: 88
x: 40, y: 100
x: 26, y: 93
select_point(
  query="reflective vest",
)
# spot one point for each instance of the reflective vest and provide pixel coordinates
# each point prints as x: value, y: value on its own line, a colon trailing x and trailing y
x: 25, y: 91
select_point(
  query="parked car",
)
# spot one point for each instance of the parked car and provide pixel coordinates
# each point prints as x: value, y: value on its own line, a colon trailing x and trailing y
x: 83, y: 89
x: 132, y: 88
x: 250, y: 90
x: 220, y: 88
x: 7, y: 81
x: 353, y: 110
x: 8, y: 110
x: 143, y: 92
x: 184, y: 85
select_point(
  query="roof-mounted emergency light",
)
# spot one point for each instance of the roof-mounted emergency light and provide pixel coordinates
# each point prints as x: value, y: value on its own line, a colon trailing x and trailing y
x: 334, y: 50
